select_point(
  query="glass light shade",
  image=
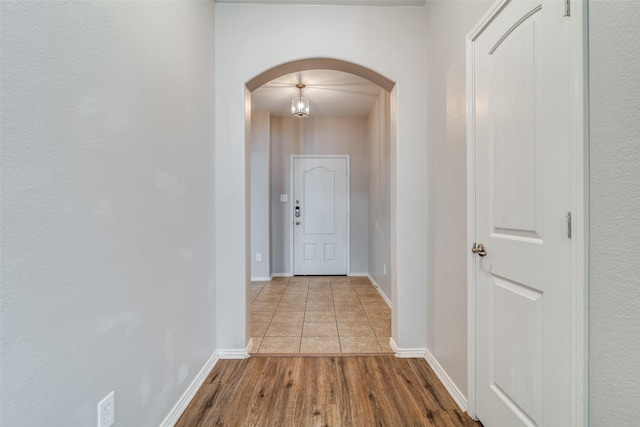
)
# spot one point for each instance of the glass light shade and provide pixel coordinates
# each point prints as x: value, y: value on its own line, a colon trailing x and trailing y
x: 300, y: 107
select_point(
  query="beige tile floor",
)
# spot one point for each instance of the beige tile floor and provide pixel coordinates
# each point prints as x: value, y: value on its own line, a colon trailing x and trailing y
x: 319, y: 315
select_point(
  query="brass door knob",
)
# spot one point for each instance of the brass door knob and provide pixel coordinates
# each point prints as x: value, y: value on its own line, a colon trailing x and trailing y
x: 479, y: 249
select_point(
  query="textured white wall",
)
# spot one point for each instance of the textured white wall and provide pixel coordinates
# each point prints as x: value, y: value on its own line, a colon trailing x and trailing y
x: 260, y: 195
x: 251, y: 39
x: 614, y: 91
x: 107, y: 210
x: 448, y: 22
x: 379, y: 193
x: 289, y: 136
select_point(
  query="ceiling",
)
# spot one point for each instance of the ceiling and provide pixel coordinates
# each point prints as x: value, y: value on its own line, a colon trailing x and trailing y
x: 334, y: 2
x: 330, y: 94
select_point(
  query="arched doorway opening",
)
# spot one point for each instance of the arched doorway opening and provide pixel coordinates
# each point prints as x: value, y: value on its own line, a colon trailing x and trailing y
x: 408, y: 182
x: 362, y: 133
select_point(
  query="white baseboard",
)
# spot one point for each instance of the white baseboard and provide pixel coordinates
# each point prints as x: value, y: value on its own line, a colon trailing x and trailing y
x: 448, y: 383
x: 358, y: 274
x: 282, y: 275
x: 393, y: 345
x: 406, y: 353
x: 382, y: 294
x: 262, y: 279
x: 234, y: 354
x: 176, y: 412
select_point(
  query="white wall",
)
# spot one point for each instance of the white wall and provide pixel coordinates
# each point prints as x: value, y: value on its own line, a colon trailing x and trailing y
x: 260, y: 195
x: 251, y: 39
x: 107, y: 210
x: 448, y: 23
x: 291, y: 135
x: 379, y: 194
x: 614, y: 91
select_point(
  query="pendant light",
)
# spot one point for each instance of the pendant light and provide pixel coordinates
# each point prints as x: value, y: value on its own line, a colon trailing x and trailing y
x: 300, y: 105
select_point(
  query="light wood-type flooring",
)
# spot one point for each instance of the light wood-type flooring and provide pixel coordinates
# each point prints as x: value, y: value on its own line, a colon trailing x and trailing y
x: 319, y: 315
x: 346, y: 391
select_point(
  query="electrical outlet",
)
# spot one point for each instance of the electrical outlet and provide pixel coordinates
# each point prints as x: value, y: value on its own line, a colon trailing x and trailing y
x: 284, y: 198
x: 259, y: 257
x: 384, y: 269
x: 107, y: 411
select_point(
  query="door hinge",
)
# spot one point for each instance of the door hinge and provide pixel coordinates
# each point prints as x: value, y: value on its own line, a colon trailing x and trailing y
x: 567, y: 8
x: 569, y: 224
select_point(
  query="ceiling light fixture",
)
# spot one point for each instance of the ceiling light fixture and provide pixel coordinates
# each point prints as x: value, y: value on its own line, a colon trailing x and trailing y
x: 300, y: 105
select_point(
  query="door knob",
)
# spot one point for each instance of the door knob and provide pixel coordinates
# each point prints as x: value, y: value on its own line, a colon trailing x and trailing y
x: 479, y: 249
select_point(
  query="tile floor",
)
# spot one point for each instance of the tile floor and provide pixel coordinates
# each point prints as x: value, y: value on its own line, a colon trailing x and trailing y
x: 319, y: 315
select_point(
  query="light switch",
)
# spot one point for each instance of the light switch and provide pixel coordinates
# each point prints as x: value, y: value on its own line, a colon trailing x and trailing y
x: 284, y: 197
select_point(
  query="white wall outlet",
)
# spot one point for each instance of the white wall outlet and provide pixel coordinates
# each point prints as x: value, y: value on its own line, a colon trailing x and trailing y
x: 384, y: 269
x: 284, y: 197
x: 107, y: 411
x: 259, y: 257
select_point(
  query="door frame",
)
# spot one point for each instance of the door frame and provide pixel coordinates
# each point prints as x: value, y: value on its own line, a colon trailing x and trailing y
x: 346, y: 157
x: 579, y: 208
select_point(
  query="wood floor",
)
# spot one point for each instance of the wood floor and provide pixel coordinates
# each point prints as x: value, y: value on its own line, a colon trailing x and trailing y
x: 323, y: 391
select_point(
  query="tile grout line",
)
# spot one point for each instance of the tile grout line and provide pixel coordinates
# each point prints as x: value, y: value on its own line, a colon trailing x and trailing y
x: 366, y: 314
x: 250, y: 310
x: 259, y: 292
x: 304, y: 316
x: 369, y: 321
x: 264, y: 335
x: 335, y: 315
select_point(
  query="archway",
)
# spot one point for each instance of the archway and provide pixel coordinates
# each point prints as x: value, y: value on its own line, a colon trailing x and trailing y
x: 320, y: 64
x: 261, y: 46
x: 361, y: 133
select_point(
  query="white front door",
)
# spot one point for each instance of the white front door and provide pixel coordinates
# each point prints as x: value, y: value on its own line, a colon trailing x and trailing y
x: 320, y: 215
x: 522, y: 88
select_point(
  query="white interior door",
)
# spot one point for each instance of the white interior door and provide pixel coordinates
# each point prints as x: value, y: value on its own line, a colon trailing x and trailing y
x: 320, y: 215
x: 522, y: 94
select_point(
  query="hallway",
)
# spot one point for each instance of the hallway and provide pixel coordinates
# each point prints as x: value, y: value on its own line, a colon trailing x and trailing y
x: 319, y: 315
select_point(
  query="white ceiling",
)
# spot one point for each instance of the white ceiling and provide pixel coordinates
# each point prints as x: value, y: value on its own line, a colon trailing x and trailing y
x: 335, y: 2
x: 330, y: 94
